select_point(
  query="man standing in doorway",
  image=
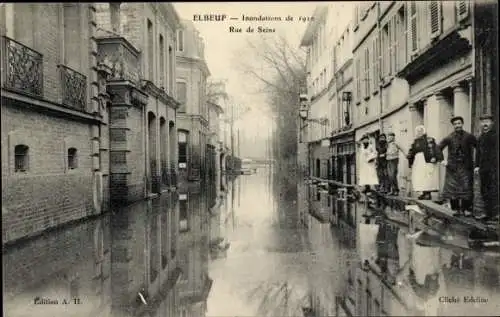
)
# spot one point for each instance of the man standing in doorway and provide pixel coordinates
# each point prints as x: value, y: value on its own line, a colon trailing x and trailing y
x: 487, y: 168
x: 459, y: 168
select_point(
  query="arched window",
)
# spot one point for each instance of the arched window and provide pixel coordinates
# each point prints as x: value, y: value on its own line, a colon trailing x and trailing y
x: 72, y: 158
x: 21, y: 158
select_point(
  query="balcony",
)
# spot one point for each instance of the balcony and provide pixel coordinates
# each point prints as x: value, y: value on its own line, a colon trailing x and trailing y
x: 74, y: 88
x: 122, y: 56
x: 22, y: 68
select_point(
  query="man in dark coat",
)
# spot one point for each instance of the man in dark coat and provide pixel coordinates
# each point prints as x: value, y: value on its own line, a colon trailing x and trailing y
x: 487, y: 167
x: 458, y: 185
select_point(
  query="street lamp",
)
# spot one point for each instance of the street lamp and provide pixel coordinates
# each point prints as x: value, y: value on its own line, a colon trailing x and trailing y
x: 304, y: 107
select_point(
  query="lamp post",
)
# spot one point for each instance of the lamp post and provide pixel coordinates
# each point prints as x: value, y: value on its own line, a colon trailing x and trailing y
x: 303, y: 112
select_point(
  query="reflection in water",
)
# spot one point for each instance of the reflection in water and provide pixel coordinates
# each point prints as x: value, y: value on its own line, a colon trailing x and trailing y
x: 423, y: 276
x: 200, y: 253
x: 132, y: 263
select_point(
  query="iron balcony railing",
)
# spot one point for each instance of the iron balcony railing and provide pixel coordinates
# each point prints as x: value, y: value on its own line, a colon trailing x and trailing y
x: 74, y: 88
x: 22, y: 68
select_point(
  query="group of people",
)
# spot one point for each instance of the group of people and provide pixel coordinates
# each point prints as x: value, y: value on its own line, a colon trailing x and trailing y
x: 379, y: 166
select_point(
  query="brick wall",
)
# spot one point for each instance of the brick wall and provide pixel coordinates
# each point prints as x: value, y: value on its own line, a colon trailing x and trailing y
x: 48, y: 194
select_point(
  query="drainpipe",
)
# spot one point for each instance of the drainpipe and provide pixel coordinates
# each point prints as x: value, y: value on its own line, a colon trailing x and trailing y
x: 472, y: 91
x: 379, y: 79
x: 146, y: 149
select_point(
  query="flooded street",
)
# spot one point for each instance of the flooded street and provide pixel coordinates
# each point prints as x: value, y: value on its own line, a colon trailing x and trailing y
x: 266, y: 267
x: 242, y: 253
x: 243, y: 250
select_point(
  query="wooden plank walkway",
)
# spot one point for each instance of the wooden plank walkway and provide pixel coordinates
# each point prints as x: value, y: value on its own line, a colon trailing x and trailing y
x: 430, y: 208
x: 441, y: 212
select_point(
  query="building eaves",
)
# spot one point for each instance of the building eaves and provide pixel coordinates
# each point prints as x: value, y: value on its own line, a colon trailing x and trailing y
x: 319, y: 16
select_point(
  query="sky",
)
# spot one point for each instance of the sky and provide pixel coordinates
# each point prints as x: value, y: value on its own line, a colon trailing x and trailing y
x: 224, y: 49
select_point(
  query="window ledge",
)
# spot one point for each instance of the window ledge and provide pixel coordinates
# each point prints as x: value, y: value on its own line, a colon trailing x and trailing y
x: 20, y: 173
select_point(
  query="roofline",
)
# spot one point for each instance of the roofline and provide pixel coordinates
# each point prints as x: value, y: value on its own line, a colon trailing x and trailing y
x: 319, y: 13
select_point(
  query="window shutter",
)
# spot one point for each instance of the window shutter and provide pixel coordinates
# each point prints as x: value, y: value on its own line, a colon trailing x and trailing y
x: 435, y: 18
x: 403, y: 35
x: 462, y: 9
x: 358, y: 78
x: 412, y: 18
x: 368, y: 71
x: 385, y: 51
x: 379, y: 58
x: 394, y: 39
x: 375, y: 73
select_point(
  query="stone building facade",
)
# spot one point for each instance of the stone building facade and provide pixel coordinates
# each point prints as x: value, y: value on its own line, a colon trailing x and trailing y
x: 137, y: 41
x: 192, y: 115
x: 53, y: 170
x: 380, y: 96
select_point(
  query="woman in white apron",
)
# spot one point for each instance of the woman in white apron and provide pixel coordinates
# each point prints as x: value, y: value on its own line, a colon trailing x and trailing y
x: 367, y: 171
x: 423, y: 157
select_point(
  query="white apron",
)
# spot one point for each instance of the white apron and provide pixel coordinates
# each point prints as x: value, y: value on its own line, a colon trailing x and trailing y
x: 367, y: 170
x: 424, y: 176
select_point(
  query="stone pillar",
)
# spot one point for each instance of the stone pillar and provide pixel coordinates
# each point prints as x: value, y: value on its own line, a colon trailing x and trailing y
x: 462, y: 106
x: 437, y: 117
x: 415, y: 119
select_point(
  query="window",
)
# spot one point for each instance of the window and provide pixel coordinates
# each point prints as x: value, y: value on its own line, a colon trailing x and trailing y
x: 402, y: 35
x: 183, y: 151
x: 393, y: 42
x: 72, y: 158
x: 462, y: 8
x: 367, y: 71
x: 435, y: 18
x: 318, y: 168
x: 21, y: 158
x: 162, y: 62
x: 180, y: 40
x: 413, y: 42
x: 171, y: 69
x: 375, y: 74
x: 386, y: 65
x: 114, y: 12
x: 150, y: 42
x: 358, y: 79
x: 182, y: 95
